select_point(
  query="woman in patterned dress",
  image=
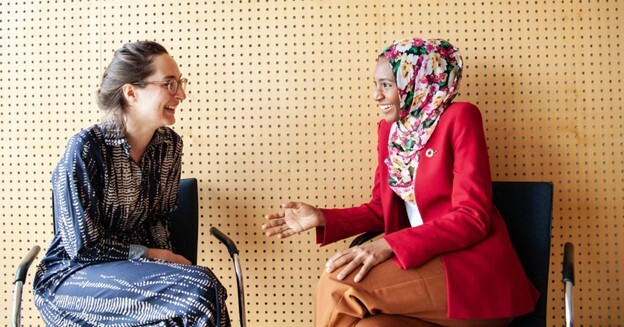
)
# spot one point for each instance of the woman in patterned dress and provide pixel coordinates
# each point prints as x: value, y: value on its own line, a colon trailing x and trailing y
x: 445, y: 258
x: 111, y: 261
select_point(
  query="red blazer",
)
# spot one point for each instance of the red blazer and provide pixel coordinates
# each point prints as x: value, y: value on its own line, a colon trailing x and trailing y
x: 454, y: 196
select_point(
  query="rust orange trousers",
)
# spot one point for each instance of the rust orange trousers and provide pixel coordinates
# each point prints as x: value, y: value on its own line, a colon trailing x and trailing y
x: 389, y: 296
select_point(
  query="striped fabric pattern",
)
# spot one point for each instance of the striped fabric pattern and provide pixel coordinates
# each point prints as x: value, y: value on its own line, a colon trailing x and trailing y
x: 104, y: 202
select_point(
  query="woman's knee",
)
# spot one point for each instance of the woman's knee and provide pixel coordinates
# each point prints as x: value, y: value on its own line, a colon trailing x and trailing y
x: 329, y: 284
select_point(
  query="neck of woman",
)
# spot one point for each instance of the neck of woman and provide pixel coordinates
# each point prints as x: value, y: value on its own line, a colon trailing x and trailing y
x: 138, y: 138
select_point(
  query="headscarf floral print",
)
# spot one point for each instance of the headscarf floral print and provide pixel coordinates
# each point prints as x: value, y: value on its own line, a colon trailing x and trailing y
x: 427, y: 73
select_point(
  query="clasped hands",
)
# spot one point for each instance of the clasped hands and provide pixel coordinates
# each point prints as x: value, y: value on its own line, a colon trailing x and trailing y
x: 298, y: 217
x: 166, y: 255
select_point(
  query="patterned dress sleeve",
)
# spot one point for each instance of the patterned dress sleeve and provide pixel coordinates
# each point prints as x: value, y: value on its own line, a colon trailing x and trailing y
x: 77, y: 208
x: 169, y: 166
x: 166, y: 170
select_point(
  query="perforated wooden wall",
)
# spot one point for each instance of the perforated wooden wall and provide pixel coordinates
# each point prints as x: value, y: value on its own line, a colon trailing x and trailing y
x: 279, y: 108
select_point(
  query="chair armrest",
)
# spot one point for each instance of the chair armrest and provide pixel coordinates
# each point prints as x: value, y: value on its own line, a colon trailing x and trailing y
x: 362, y: 238
x: 231, y: 246
x: 20, y: 279
x: 22, y: 269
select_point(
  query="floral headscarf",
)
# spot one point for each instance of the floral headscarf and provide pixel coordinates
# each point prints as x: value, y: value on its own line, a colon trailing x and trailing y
x: 427, y: 73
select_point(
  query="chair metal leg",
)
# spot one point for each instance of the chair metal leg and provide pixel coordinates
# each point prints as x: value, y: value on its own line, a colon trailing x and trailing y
x: 241, y: 290
x: 231, y: 246
x: 568, y: 281
x: 569, y: 305
x: 17, y: 303
x: 20, y: 279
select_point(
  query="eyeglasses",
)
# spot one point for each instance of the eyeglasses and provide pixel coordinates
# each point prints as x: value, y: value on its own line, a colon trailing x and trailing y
x: 172, y: 84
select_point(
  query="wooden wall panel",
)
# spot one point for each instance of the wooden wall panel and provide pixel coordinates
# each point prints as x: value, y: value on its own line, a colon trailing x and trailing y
x: 279, y: 108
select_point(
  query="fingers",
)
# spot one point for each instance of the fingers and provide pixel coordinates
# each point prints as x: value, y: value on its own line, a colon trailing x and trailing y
x: 291, y: 205
x: 182, y: 260
x: 277, y: 227
x: 278, y: 215
x: 287, y: 205
x: 338, y: 260
x: 351, y: 259
x: 348, y: 269
x: 284, y: 224
x: 274, y: 226
x: 167, y: 255
x: 277, y: 223
x: 286, y: 233
x: 275, y: 231
x: 353, y: 265
x: 273, y: 223
x: 280, y: 231
x: 366, y: 267
x: 274, y: 215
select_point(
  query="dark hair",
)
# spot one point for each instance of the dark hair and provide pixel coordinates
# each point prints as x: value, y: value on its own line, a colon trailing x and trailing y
x: 131, y: 63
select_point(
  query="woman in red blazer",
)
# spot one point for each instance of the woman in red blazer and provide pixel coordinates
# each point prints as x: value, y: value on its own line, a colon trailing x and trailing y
x: 452, y: 261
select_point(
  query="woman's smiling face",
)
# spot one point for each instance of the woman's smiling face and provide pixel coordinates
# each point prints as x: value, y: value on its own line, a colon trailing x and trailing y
x: 155, y: 105
x: 386, y: 93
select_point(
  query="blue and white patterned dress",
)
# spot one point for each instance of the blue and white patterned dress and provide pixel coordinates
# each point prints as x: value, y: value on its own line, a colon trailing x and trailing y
x: 104, y: 205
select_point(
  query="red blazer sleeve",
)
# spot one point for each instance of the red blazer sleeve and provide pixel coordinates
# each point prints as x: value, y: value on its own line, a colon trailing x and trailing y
x: 453, y: 191
x: 346, y: 222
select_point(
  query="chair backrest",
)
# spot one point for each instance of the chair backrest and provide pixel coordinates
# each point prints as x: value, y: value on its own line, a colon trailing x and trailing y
x: 184, y: 221
x: 527, y: 210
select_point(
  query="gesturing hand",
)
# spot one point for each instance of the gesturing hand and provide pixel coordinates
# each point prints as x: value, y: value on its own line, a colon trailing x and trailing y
x: 296, y: 218
x: 367, y: 255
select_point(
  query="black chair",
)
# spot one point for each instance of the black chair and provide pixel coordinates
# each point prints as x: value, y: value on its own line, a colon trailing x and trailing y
x: 184, y: 235
x: 527, y: 210
x: 185, y: 220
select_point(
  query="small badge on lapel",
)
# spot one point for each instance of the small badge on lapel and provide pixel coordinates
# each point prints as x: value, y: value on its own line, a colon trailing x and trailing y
x: 430, y: 152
